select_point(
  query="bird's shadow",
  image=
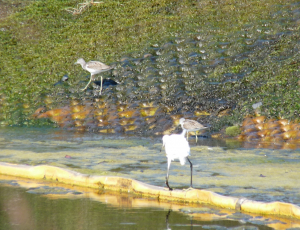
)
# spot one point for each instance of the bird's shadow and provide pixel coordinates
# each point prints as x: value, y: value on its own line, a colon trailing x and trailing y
x: 106, y: 82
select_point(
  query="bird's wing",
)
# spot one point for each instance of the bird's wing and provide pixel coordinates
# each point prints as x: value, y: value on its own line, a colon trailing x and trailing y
x: 97, y: 65
x: 191, y: 123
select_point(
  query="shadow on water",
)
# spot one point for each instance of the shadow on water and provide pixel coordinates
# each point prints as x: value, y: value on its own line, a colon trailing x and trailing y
x: 35, y: 205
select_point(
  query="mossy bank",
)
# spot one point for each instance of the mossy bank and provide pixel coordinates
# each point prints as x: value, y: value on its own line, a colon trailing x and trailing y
x: 207, y: 56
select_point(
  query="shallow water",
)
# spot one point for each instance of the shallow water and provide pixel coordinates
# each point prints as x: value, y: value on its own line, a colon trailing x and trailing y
x: 257, y: 174
x: 44, y: 205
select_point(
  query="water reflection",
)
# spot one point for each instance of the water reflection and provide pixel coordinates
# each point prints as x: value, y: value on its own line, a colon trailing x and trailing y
x: 167, y: 220
x: 28, y: 204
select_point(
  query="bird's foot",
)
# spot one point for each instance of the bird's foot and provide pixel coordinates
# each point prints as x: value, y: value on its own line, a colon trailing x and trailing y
x: 170, y: 189
x: 167, y: 183
x: 84, y: 87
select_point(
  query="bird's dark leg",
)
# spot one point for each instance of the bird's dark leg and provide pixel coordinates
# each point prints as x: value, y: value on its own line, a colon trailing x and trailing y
x: 167, y: 183
x: 191, y: 165
x: 167, y: 177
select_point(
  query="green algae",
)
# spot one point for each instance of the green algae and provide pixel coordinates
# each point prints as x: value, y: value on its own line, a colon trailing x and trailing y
x: 232, y: 131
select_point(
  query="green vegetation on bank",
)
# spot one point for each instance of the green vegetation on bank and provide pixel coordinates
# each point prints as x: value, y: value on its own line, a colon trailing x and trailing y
x: 41, y: 40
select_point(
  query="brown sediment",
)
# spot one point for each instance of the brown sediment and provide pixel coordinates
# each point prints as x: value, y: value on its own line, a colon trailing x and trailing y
x: 259, y: 129
x: 115, y: 118
x: 154, y: 119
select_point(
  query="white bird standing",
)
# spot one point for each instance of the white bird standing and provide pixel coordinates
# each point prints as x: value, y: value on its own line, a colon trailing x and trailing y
x: 177, y: 147
x: 94, y: 67
x: 191, y: 126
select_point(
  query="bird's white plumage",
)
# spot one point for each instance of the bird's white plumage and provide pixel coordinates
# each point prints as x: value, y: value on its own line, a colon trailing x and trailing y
x: 176, y: 147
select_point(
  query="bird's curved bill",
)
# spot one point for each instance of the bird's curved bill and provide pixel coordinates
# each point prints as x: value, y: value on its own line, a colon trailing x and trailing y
x: 161, y: 148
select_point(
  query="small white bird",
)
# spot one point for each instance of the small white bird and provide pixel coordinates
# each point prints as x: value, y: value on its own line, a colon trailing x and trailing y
x: 177, y: 147
x: 94, y: 67
x: 191, y: 126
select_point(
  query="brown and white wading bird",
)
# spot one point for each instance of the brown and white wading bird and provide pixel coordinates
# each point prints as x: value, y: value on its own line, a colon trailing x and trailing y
x: 177, y: 147
x: 191, y: 126
x: 94, y: 67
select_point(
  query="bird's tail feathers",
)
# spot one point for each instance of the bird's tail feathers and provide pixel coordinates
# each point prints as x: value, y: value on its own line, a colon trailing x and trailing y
x: 182, y: 161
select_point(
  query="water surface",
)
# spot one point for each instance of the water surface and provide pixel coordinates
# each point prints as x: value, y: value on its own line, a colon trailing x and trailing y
x: 257, y: 174
x: 44, y: 205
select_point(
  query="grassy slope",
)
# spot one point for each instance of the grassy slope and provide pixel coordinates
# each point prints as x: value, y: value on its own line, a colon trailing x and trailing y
x: 40, y: 42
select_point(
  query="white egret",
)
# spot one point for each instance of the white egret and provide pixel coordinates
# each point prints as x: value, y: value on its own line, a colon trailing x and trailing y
x: 191, y: 126
x: 177, y: 147
x: 94, y: 67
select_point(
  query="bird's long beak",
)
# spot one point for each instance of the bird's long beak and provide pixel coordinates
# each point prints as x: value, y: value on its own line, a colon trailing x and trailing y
x: 162, y: 147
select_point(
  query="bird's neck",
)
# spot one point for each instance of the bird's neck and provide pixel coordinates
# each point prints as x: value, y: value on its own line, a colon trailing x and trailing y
x: 183, y: 132
x: 83, y: 65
